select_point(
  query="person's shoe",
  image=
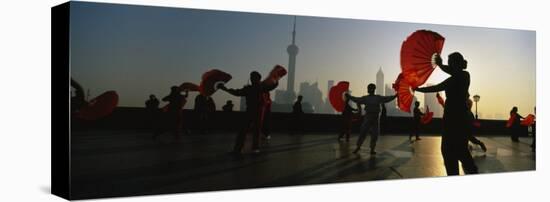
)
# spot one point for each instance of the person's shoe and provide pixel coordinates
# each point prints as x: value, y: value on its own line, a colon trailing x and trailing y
x: 483, y: 147
x: 372, y: 152
x: 356, y: 150
x: 268, y: 137
x: 418, y: 138
x: 256, y: 151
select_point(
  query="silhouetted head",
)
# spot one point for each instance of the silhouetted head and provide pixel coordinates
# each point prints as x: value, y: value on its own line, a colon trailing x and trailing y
x: 456, y: 61
x: 514, y: 109
x: 416, y: 104
x: 300, y: 98
x: 371, y: 88
x: 229, y: 102
x: 174, y: 89
x: 152, y: 97
x: 255, y: 77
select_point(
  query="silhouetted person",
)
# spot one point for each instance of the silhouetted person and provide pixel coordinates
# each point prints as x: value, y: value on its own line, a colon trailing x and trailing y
x: 297, y: 114
x: 456, y: 121
x: 153, y: 112
x: 371, y: 122
x: 228, y: 107
x: 266, y: 115
x: 204, y: 108
x: 174, y: 117
x: 416, y: 124
x: 78, y: 100
x: 515, y: 129
x: 472, y: 138
x: 534, y: 131
x: 347, y: 120
x: 253, y: 123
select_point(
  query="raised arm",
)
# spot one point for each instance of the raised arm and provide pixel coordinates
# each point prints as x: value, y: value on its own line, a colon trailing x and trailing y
x: 388, y: 98
x: 235, y: 92
x: 439, y: 63
x: 357, y: 100
x: 268, y: 88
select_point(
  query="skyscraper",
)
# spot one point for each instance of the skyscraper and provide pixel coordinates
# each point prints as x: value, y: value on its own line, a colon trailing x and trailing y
x: 288, y: 96
x: 380, y: 82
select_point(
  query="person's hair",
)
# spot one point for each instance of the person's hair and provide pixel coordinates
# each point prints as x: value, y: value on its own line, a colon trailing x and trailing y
x: 175, y: 89
x: 254, y: 74
x: 417, y: 103
x: 456, y: 59
x: 371, y: 86
x: 514, y: 110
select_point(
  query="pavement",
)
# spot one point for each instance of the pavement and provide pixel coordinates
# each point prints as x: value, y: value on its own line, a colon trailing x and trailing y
x: 128, y: 163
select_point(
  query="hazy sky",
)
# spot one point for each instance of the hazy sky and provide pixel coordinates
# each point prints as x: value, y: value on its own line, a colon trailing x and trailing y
x: 138, y: 51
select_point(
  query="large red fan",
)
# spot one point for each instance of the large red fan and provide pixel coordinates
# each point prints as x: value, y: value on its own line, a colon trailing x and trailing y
x: 529, y: 120
x: 427, y: 117
x: 211, y: 79
x: 404, y: 95
x: 417, y: 53
x: 336, y: 95
x: 99, y: 107
x: 276, y: 73
x: 188, y: 86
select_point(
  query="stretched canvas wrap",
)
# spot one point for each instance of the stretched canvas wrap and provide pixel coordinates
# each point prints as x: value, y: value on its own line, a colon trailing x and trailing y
x: 160, y: 100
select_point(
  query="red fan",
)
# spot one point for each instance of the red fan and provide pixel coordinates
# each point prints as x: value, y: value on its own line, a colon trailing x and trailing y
x: 510, y: 121
x: 99, y: 107
x: 404, y: 95
x: 440, y: 99
x: 529, y: 120
x: 211, y: 79
x: 276, y: 73
x: 189, y: 86
x: 417, y: 53
x: 336, y: 95
x: 427, y: 118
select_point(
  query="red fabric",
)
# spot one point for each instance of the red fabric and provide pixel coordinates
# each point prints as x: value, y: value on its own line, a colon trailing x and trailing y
x: 404, y: 95
x: 510, y: 121
x: 529, y: 120
x: 210, y: 79
x: 189, y: 86
x: 427, y: 118
x: 416, y: 56
x: 477, y: 124
x: 336, y: 95
x: 276, y: 73
x: 101, y: 106
x: 440, y: 100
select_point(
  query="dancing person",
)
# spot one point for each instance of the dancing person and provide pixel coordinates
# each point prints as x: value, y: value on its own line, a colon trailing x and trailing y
x: 347, y: 120
x: 204, y: 108
x: 174, y: 116
x: 456, y: 121
x: 253, y: 122
x: 153, y: 112
x: 471, y: 138
x: 297, y: 113
x: 371, y: 120
x: 417, y: 115
x: 515, y: 128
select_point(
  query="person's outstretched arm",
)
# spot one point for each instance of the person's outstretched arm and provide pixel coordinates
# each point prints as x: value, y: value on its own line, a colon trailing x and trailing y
x: 388, y: 98
x: 235, y: 92
x: 432, y: 89
x: 357, y: 100
x: 268, y: 88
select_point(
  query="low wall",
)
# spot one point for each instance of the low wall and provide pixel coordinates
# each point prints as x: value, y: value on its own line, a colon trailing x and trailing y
x: 128, y: 118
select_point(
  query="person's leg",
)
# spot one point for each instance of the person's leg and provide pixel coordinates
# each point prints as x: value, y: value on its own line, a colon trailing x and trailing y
x: 241, y: 137
x: 374, y: 133
x: 362, y: 134
x: 449, y: 158
x: 468, y: 164
x: 474, y: 140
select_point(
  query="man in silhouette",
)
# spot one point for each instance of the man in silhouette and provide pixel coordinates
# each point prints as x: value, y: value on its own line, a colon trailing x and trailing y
x: 228, y: 107
x: 253, y: 123
x: 515, y: 129
x: 534, y: 131
x: 417, y: 115
x: 371, y: 120
x: 174, y: 121
x: 297, y: 114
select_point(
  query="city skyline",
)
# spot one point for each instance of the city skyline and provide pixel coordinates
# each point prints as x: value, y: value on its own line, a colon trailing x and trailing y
x: 144, y: 50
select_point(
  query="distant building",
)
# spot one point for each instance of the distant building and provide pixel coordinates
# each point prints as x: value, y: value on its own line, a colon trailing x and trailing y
x: 312, y: 95
x: 380, y: 82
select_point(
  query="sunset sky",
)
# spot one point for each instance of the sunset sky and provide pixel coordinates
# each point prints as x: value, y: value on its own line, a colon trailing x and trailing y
x: 138, y: 51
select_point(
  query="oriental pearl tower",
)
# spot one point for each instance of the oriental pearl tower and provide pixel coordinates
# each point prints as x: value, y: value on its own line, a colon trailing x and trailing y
x: 292, y: 51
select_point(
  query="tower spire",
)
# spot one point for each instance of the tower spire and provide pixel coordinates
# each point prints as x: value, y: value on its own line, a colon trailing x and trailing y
x: 294, y: 31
